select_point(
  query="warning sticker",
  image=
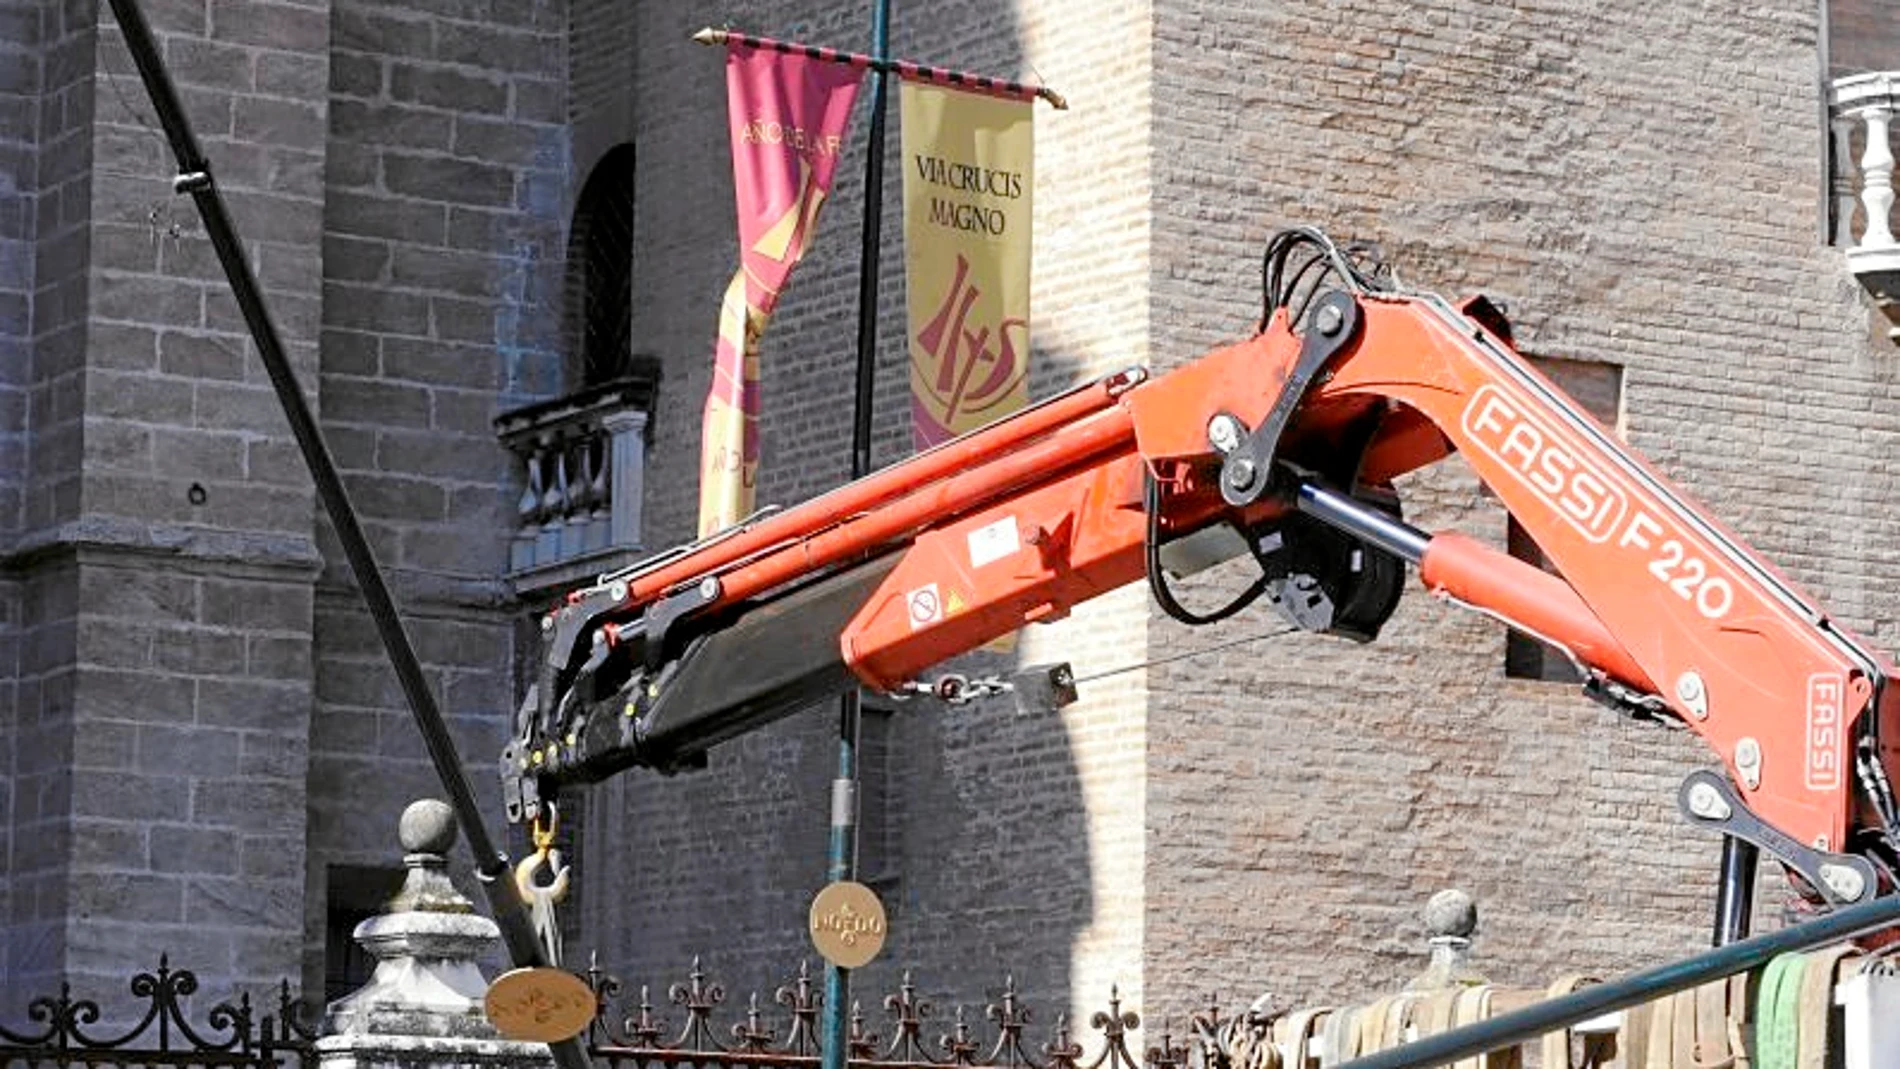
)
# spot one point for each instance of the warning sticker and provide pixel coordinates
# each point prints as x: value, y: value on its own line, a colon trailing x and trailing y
x: 993, y: 542
x: 925, y: 606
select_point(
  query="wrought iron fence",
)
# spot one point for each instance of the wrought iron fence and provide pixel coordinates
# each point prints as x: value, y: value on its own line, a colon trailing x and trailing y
x: 67, y: 1031
x: 232, y: 1036
x: 788, y: 1038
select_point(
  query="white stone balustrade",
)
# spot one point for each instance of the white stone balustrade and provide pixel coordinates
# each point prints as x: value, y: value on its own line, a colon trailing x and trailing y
x: 582, y: 462
x: 1864, y: 105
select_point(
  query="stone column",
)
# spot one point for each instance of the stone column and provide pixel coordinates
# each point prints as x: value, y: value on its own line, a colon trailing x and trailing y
x: 423, y: 1007
x: 626, y: 472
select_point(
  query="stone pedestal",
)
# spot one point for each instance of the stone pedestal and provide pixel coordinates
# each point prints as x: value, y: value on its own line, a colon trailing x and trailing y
x: 423, y: 1007
x: 427, y: 1052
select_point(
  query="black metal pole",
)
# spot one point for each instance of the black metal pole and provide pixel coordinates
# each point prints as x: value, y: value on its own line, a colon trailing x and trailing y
x: 1535, y: 1020
x: 195, y: 178
x: 843, y: 840
x: 1824, y: 93
x: 870, y: 251
x: 1735, y: 893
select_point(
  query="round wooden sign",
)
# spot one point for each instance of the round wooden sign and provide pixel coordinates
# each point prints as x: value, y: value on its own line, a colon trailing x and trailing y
x: 847, y: 924
x: 540, y: 1005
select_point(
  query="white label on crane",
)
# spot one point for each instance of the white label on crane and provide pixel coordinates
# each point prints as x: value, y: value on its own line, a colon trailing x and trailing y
x: 926, y: 607
x: 993, y: 541
x: 1827, y: 693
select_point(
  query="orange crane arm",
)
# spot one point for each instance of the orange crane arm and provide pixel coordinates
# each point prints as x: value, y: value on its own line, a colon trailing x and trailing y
x: 1284, y: 447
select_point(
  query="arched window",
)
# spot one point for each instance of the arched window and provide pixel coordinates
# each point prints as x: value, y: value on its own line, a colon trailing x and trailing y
x: 600, y: 275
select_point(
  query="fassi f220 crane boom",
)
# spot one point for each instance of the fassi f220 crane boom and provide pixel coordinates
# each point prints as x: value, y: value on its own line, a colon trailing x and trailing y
x: 1283, y: 447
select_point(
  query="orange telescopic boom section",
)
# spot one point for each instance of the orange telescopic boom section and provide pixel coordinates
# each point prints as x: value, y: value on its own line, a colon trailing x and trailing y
x: 1284, y: 448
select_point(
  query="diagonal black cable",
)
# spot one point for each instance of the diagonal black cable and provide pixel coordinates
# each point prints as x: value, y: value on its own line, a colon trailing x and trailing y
x: 194, y: 177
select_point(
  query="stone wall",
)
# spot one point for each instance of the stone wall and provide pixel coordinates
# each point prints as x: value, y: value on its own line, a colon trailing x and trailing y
x: 159, y: 682
x: 60, y: 209
x: 444, y: 202
x: 190, y: 699
x: 40, y: 745
x: 19, y: 141
x: 19, y: 133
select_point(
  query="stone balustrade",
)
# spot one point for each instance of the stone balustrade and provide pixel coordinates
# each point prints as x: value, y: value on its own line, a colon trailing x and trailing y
x: 582, y: 462
x: 1863, y: 107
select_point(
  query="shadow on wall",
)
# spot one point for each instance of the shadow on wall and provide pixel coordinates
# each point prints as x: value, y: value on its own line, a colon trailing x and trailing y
x: 973, y: 826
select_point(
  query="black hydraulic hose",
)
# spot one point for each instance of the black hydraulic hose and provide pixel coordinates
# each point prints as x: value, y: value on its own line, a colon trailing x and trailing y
x: 1158, y: 578
x: 194, y: 177
x: 1535, y: 1020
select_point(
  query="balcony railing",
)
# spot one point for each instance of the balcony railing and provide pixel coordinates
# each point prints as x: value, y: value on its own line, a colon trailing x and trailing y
x: 1863, y: 107
x: 582, y: 461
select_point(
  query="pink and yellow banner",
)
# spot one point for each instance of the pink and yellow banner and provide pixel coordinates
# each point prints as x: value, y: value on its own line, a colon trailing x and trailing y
x: 968, y: 162
x: 788, y: 114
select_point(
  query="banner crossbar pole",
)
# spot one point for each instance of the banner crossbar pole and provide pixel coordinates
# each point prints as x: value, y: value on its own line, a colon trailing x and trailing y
x: 903, y: 68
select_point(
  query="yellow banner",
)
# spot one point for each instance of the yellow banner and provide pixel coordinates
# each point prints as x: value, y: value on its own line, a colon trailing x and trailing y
x: 968, y: 162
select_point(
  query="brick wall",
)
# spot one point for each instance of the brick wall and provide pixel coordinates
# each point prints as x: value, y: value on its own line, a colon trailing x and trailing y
x: 1312, y: 794
x: 1862, y: 36
x: 603, y: 94
x: 1275, y: 816
x: 1015, y: 841
x: 444, y: 203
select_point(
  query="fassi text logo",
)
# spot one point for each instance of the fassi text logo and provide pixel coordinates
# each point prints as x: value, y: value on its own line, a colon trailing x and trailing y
x: 1825, y: 693
x: 1586, y: 498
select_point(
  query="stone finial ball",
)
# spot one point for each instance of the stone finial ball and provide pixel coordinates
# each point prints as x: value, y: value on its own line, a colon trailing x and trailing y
x: 1451, y: 913
x: 428, y: 827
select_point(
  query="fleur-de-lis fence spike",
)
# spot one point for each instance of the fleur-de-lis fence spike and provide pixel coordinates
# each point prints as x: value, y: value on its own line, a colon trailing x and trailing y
x: 803, y: 1000
x: 647, y: 1030
x: 699, y: 1001
x: 753, y: 1036
x: 907, y: 1044
x: 859, y: 1044
x: 1167, y: 1055
x: 1063, y: 1051
x: 290, y: 1010
x: 1010, y: 1020
x: 1115, y: 1026
x: 958, y: 1044
x: 604, y: 987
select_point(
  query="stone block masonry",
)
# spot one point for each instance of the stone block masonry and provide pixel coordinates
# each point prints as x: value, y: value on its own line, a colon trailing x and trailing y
x: 162, y: 554
x: 444, y: 194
